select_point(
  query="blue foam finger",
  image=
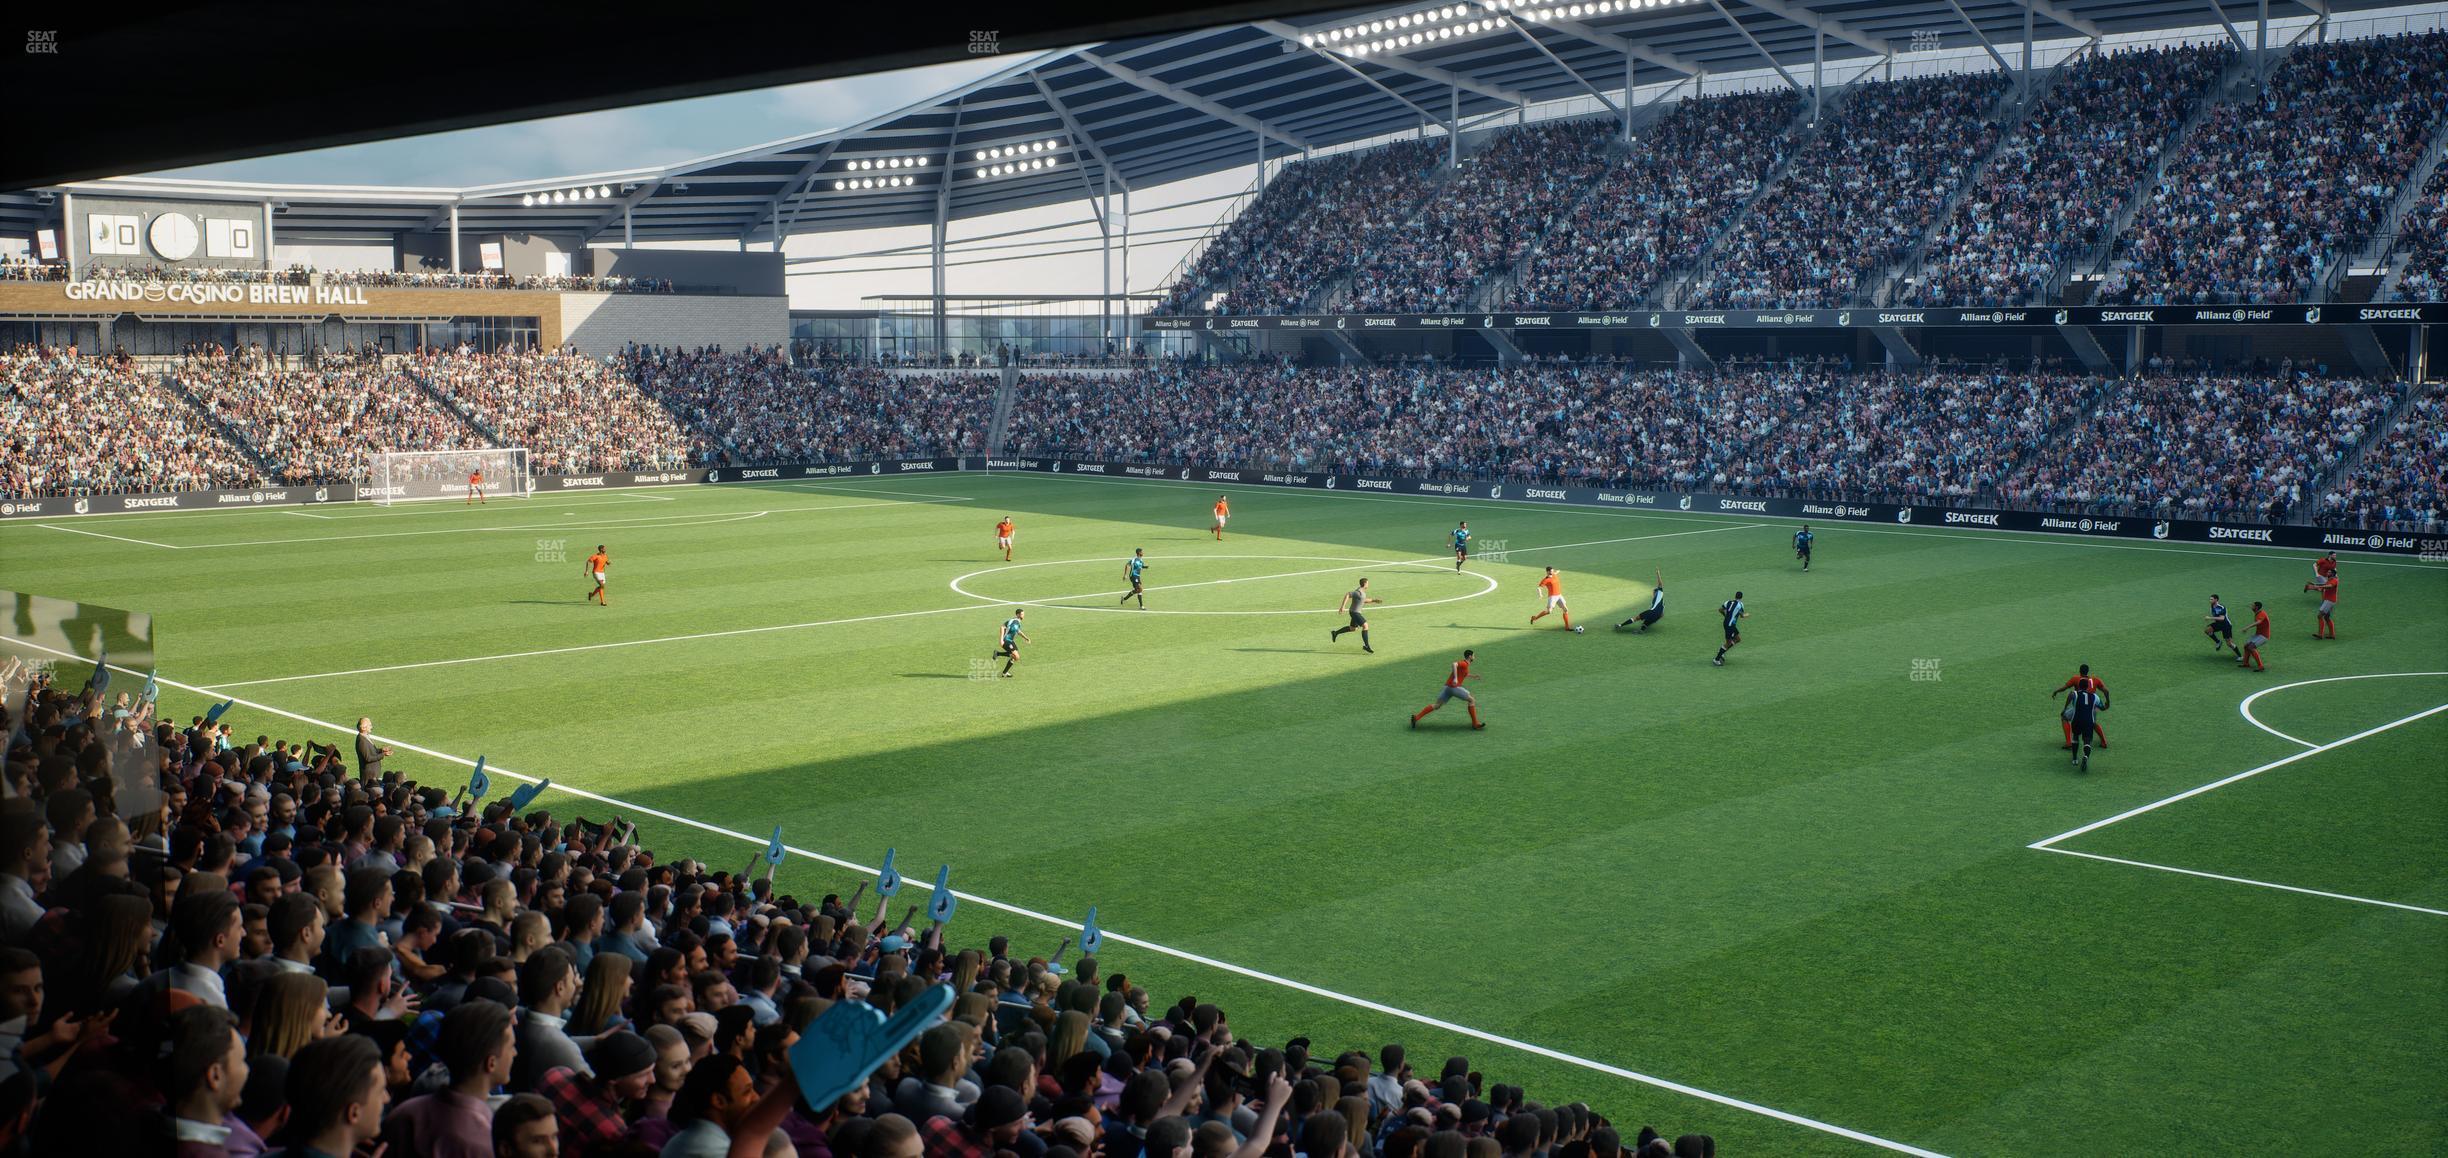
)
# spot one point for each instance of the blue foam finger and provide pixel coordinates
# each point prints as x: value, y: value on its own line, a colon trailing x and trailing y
x: 888, y: 882
x: 478, y: 782
x: 527, y: 792
x: 773, y: 848
x: 941, y: 908
x: 841, y: 1048
x: 1090, y: 936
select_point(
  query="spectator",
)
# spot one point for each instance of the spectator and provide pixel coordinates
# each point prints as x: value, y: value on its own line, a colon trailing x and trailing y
x: 207, y: 1079
x: 477, y: 1048
x: 336, y: 1097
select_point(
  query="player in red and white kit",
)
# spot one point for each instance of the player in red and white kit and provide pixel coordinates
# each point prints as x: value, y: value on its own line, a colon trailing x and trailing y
x: 2082, y: 681
x: 1454, y: 690
x: 2326, y: 626
x: 2260, y: 635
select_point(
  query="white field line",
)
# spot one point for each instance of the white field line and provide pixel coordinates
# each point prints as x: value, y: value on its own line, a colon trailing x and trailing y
x: 2169, y: 868
x: 1153, y: 947
x: 982, y: 602
x: 2247, y: 774
x: 2035, y: 538
x: 100, y: 535
x: 852, y: 490
x: 2249, y: 718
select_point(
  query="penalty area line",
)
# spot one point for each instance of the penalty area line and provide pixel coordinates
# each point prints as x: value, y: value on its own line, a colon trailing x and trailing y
x: 1458, y: 1029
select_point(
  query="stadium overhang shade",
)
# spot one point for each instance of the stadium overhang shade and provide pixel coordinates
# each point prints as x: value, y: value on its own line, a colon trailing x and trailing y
x: 1063, y: 124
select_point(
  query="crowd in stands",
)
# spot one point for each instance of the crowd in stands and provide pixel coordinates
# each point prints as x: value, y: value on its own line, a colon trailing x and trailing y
x: 574, y: 414
x: 319, y: 424
x: 220, y: 948
x: 2055, y: 187
x: 758, y: 408
x: 1857, y: 195
x: 1658, y: 203
x: 16, y: 270
x: 1482, y: 220
x: 1315, y: 220
x: 2423, y: 238
x: 2401, y: 483
x: 2222, y: 445
x: 72, y: 424
x: 2265, y: 193
x: 2173, y: 444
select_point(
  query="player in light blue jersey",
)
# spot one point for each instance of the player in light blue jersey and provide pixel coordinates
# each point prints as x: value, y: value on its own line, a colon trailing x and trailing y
x: 1135, y: 568
x: 1013, y: 637
x: 1461, y: 540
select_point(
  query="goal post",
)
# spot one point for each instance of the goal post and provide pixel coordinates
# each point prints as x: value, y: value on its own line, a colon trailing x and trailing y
x: 418, y: 476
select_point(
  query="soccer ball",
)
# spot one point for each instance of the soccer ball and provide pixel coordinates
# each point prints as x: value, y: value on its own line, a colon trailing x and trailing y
x: 1576, y: 629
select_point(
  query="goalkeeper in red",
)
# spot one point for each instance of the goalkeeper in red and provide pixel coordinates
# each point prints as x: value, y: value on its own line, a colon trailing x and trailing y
x: 1454, y: 690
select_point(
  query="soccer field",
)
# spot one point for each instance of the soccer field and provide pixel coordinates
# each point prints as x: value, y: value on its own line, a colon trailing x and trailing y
x: 1790, y: 902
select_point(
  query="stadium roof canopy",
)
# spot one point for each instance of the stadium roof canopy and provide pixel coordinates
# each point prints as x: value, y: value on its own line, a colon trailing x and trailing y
x: 1161, y: 108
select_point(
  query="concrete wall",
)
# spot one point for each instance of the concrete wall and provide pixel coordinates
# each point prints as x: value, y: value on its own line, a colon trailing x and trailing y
x: 603, y: 323
x: 706, y: 271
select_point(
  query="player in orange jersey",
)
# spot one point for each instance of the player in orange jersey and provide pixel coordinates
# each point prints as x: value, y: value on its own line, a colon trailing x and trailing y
x: 2082, y: 681
x: 2260, y: 635
x: 1223, y: 508
x: 1551, y: 589
x: 1003, y: 537
x: 595, y: 565
x: 1454, y: 690
x: 475, y: 487
x: 2323, y: 570
x: 2326, y: 626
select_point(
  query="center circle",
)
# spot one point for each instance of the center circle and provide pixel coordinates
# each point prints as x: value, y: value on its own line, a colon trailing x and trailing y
x: 1358, y: 564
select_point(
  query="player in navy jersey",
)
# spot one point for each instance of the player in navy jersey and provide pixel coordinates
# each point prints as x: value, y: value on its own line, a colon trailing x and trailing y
x: 1657, y: 608
x: 1461, y: 541
x: 2220, y: 630
x: 1135, y: 568
x: 1013, y: 637
x: 1802, y: 545
x: 1734, y: 613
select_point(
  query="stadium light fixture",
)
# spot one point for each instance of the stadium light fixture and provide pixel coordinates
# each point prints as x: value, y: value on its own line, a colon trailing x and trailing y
x: 528, y: 201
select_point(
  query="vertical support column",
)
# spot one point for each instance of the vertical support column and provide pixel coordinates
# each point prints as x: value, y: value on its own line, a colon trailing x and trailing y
x: 269, y: 233
x: 1105, y: 260
x: 628, y: 226
x: 2133, y: 349
x: 941, y: 345
x: 2027, y: 51
x: 1631, y: 82
x: 1453, y: 126
x: 1262, y: 164
x: 2261, y: 47
x: 1126, y: 310
x: 1818, y: 68
x: 69, y: 235
x: 777, y: 226
x: 454, y: 262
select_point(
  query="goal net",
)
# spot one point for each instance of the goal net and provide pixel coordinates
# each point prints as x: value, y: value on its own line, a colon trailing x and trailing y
x: 416, y: 476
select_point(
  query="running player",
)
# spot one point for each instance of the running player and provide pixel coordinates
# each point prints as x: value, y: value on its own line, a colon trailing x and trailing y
x: 2082, y: 681
x: 1135, y: 568
x: 2260, y: 635
x: 2082, y: 711
x: 1003, y: 537
x: 2323, y: 570
x: 1461, y: 540
x: 1657, y: 608
x: 1454, y: 690
x: 1223, y: 508
x: 595, y: 566
x: 2326, y: 626
x: 475, y: 486
x: 2219, y: 628
x: 1013, y: 637
x: 1552, y: 588
x: 1734, y: 613
x: 1802, y: 545
x: 1358, y: 598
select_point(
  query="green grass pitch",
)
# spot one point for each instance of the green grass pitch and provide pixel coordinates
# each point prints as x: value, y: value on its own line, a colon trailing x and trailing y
x: 1801, y: 881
